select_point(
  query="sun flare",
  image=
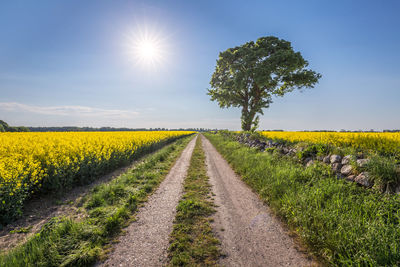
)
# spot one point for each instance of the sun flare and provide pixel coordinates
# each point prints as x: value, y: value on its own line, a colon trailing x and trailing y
x: 147, y: 48
x: 147, y: 51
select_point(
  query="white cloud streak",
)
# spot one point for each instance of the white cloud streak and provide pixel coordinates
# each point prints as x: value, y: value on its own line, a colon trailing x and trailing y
x: 67, y: 110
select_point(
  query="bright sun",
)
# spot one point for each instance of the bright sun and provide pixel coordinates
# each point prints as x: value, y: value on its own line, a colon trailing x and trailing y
x: 147, y: 48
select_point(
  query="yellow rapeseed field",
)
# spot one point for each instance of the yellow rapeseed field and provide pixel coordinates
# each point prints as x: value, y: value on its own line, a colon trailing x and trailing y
x: 387, y: 143
x: 29, y: 161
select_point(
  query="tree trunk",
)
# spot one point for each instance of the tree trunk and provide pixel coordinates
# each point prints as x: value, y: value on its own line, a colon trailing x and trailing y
x: 250, y: 108
x: 247, y: 119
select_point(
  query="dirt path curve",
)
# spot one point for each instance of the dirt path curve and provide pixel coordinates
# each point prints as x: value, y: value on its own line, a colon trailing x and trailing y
x: 249, y: 233
x: 147, y: 239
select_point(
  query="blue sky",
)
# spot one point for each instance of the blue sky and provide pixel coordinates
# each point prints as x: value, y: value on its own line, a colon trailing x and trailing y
x: 71, y: 63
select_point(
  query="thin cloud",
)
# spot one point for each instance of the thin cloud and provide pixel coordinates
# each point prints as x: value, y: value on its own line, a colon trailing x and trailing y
x: 67, y: 110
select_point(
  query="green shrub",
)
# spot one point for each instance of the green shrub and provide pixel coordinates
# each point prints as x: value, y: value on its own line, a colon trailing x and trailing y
x: 313, y: 150
x: 384, y: 172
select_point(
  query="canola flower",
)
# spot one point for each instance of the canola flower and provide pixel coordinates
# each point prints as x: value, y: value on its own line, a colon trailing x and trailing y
x: 30, y: 161
x: 383, y: 143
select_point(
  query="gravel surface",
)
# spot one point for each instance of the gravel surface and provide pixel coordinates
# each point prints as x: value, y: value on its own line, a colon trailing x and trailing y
x: 147, y: 239
x: 249, y: 232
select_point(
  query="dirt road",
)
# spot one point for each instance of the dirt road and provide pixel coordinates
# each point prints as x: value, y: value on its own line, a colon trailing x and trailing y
x: 147, y: 239
x: 249, y: 233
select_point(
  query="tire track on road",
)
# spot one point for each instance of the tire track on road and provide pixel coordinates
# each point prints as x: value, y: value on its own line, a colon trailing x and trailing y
x: 147, y: 239
x: 250, y: 235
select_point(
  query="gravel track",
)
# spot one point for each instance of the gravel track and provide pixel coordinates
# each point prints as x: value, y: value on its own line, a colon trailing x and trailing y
x: 249, y: 232
x: 147, y: 239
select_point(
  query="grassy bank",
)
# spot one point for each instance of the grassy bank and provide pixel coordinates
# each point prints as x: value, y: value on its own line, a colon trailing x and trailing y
x: 192, y: 240
x: 105, y: 210
x: 342, y: 223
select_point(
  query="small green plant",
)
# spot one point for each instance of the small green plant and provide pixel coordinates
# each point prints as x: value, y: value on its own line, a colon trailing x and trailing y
x: 270, y: 149
x: 311, y: 151
x: 384, y: 172
x: 21, y: 230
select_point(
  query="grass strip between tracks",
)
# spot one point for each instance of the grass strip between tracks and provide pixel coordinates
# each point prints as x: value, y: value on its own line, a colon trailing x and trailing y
x: 192, y: 240
x: 341, y: 222
x: 105, y: 211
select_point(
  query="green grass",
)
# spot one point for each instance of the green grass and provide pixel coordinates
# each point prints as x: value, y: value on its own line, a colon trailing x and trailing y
x: 384, y: 172
x: 21, y: 230
x: 192, y: 240
x: 342, y: 223
x: 106, y: 210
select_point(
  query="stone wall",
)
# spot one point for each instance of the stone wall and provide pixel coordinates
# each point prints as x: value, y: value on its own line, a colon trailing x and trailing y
x: 349, y: 167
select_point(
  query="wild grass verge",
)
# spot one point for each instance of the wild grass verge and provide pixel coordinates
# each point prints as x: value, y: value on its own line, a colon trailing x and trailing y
x: 192, y: 240
x: 341, y: 222
x: 106, y: 209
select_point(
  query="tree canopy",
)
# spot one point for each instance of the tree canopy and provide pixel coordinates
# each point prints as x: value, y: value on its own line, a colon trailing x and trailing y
x: 248, y: 76
x: 4, y: 127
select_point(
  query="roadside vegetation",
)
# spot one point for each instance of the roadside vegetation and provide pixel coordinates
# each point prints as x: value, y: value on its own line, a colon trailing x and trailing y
x: 104, y: 212
x: 192, y: 240
x: 41, y: 163
x: 385, y: 144
x: 371, y: 160
x: 341, y: 222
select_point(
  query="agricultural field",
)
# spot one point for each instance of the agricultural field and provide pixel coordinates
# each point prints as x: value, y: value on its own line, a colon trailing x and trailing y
x: 382, y: 143
x: 45, y: 162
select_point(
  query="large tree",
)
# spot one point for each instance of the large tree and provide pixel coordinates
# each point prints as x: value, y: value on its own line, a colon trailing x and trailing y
x: 248, y: 76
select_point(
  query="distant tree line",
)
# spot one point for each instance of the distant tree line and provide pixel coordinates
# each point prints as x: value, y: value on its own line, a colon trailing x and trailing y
x: 342, y: 131
x: 391, y: 131
x: 109, y: 129
x: 4, y: 127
